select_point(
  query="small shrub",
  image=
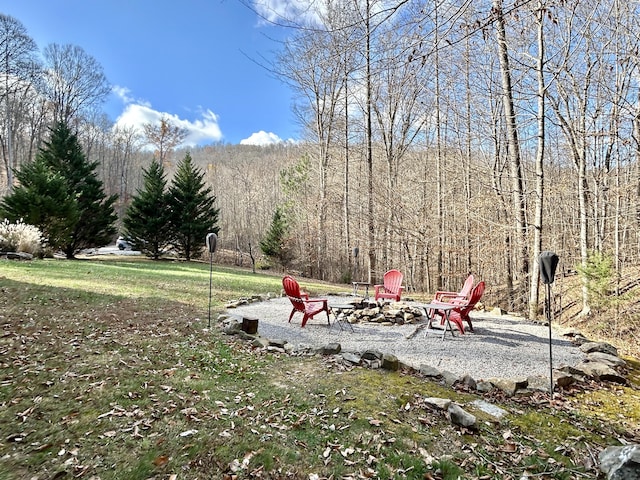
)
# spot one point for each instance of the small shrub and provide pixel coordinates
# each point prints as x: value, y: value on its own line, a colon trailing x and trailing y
x: 345, y: 277
x: 263, y: 264
x: 598, y: 274
x: 20, y: 237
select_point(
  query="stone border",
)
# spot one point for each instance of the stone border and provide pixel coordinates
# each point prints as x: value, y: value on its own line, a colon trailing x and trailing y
x: 602, y: 363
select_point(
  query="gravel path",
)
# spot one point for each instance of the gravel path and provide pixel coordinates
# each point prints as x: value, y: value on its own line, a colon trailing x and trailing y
x: 500, y: 346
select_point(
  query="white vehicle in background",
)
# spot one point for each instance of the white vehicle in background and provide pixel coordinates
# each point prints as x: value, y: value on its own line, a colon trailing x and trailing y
x: 123, y: 244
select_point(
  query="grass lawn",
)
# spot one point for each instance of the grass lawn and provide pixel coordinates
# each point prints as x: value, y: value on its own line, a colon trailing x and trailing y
x: 109, y: 372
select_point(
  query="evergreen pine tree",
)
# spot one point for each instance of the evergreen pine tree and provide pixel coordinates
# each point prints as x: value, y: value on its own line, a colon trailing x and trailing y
x: 63, y: 155
x: 191, y: 208
x: 42, y: 199
x: 146, y: 221
x: 273, y: 244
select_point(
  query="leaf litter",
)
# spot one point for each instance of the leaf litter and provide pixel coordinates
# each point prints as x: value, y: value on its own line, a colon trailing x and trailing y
x: 91, y: 385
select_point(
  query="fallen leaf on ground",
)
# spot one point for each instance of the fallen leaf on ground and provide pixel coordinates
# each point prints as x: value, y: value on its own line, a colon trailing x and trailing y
x: 161, y: 461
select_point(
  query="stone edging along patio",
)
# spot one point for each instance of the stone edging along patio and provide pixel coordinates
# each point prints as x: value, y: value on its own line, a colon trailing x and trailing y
x: 601, y: 362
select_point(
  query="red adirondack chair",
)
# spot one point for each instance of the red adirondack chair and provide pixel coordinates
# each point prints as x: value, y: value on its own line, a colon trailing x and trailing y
x: 461, y: 312
x: 392, y: 287
x: 450, y: 297
x: 301, y: 301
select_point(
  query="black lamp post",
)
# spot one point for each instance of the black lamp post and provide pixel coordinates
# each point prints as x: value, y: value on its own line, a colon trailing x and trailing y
x: 356, y: 250
x: 211, y: 241
x: 548, y: 263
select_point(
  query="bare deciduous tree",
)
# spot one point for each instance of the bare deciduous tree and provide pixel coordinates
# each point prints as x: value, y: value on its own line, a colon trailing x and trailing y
x: 513, y: 148
x: 539, y: 162
x: 74, y: 81
x: 164, y: 136
x: 19, y: 68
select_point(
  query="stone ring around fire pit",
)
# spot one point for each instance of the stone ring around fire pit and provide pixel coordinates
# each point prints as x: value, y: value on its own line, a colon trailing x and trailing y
x: 370, y: 311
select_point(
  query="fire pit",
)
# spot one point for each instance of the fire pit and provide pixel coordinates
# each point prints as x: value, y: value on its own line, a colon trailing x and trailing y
x: 368, y: 311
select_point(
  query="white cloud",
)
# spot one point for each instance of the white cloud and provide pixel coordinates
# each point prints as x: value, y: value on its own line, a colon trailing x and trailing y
x: 123, y: 93
x: 311, y: 12
x: 283, y: 11
x: 261, y: 138
x: 203, y: 130
x: 137, y: 113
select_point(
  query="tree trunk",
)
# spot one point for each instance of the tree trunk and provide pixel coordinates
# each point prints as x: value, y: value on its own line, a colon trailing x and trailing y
x: 537, y: 226
x: 371, y: 219
x: 515, y: 167
x: 345, y: 204
x: 439, y: 176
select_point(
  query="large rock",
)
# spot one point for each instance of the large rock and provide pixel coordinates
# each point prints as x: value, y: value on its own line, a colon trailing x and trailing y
x: 372, y: 355
x: 484, y: 386
x: 277, y: 342
x: 563, y: 379
x: 438, y: 403
x: 232, y: 328
x: 602, y: 347
x: 538, y: 383
x: 429, y: 371
x: 469, y: 381
x: 621, y: 463
x: 331, y: 349
x: 461, y: 417
x: 390, y: 362
x: 260, y: 342
x: 509, y: 386
x: 351, y: 358
x: 451, y: 378
x: 611, y: 360
x: 578, y: 375
x: 600, y: 371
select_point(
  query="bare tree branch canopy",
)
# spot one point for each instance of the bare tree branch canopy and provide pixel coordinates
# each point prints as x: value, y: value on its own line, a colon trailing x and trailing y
x: 19, y: 68
x: 75, y: 81
x: 17, y: 50
x: 164, y: 136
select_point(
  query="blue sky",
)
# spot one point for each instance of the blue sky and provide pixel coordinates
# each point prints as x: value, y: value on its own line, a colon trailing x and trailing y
x: 195, y: 61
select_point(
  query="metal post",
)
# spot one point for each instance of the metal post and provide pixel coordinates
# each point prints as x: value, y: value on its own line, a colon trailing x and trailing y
x: 548, y: 309
x: 548, y: 263
x: 355, y: 277
x: 210, y: 281
x: 211, y: 241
